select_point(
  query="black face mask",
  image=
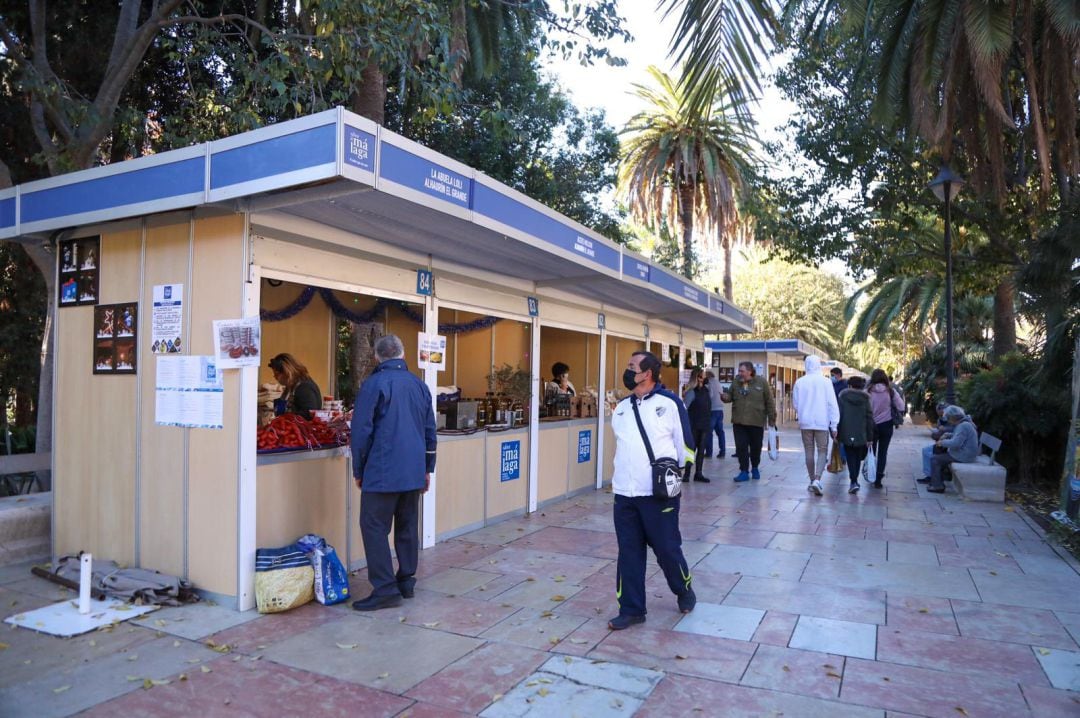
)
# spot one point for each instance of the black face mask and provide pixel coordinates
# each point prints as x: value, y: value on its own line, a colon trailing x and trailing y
x: 628, y: 379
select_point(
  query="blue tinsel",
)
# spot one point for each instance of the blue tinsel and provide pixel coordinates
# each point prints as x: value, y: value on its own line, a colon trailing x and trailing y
x: 343, y: 312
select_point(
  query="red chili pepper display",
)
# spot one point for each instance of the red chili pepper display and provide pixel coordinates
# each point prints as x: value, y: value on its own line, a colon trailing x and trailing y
x: 291, y: 431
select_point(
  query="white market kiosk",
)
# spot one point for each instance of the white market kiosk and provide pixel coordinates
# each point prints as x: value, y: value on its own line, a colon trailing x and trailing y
x: 781, y: 361
x: 333, y: 209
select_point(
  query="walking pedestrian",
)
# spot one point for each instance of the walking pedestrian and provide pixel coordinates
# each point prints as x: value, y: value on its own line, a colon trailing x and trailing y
x: 883, y: 398
x: 815, y: 405
x: 836, y: 375
x: 642, y: 519
x: 856, y: 429
x: 699, y: 408
x: 717, y: 427
x: 752, y: 405
x: 962, y: 446
x: 393, y: 448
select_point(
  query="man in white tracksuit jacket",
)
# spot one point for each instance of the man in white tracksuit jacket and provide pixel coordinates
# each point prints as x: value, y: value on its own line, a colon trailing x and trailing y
x: 815, y: 403
x: 641, y: 519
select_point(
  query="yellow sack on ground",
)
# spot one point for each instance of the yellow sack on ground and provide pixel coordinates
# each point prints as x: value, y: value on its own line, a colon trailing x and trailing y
x: 284, y: 579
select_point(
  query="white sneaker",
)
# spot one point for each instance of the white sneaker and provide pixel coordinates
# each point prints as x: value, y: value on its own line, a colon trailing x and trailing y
x: 815, y: 486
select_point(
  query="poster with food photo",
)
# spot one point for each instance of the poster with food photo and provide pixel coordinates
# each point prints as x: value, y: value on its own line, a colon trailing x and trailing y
x: 115, y: 328
x: 79, y: 271
x: 237, y: 342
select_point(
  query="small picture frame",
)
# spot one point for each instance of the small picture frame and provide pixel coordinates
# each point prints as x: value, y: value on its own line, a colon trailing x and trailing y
x: 115, y: 345
x: 80, y: 260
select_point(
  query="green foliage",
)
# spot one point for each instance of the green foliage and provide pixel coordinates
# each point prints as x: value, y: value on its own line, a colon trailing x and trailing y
x: 1030, y: 416
x: 22, y: 321
x: 924, y: 379
x: 517, y: 127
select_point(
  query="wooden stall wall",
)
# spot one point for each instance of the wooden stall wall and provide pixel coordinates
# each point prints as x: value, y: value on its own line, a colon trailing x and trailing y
x: 579, y: 350
x: 94, y: 478
x: 307, y: 335
x: 512, y: 343
x: 217, y: 279
x: 161, y: 464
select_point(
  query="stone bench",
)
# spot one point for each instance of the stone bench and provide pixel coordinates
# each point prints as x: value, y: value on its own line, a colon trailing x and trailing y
x: 984, y: 478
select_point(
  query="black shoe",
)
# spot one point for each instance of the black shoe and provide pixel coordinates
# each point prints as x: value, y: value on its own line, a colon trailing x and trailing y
x: 687, y: 601
x: 877, y: 485
x: 374, y: 603
x: 721, y: 455
x: 621, y: 622
x: 407, y: 592
x: 936, y: 491
x: 923, y: 480
x: 702, y: 479
x: 708, y: 456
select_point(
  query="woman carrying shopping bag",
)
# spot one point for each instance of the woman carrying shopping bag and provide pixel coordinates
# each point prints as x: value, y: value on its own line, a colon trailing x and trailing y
x: 856, y: 429
x: 883, y: 400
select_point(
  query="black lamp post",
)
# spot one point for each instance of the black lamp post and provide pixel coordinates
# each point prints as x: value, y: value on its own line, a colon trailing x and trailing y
x: 946, y: 186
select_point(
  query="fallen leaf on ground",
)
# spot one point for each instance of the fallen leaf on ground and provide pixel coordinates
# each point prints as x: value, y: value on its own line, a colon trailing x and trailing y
x: 1044, y: 652
x: 960, y: 710
x: 176, y: 644
x: 680, y: 657
x: 542, y: 692
x: 132, y: 679
x: 831, y: 674
x: 558, y: 597
x: 193, y: 660
x: 578, y: 641
x: 205, y: 669
x: 924, y: 610
x: 384, y: 675
x: 431, y: 625
x: 346, y: 646
x: 61, y: 689
x: 182, y: 677
x: 133, y: 657
x: 786, y: 669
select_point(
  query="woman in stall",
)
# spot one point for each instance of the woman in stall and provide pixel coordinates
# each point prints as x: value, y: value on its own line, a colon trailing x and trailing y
x: 301, y: 395
x: 560, y: 380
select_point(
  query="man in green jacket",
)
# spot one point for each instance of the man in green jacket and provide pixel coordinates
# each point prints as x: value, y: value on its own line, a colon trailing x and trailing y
x: 752, y: 404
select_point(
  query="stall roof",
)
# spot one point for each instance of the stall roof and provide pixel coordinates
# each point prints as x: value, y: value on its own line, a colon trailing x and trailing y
x: 343, y: 170
x: 789, y: 347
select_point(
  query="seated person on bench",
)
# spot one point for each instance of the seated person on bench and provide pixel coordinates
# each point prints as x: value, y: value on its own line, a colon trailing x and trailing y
x: 962, y: 446
x: 940, y: 431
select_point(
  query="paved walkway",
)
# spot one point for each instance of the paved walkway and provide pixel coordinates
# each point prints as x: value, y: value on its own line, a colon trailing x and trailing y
x: 888, y: 602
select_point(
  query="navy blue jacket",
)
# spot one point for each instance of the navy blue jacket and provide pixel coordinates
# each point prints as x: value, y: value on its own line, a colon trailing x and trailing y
x: 393, y: 430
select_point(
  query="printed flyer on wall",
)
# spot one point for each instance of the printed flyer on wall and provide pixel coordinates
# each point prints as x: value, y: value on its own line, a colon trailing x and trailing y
x: 237, y: 342
x: 188, y: 392
x: 431, y: 351
x: 167, y: 319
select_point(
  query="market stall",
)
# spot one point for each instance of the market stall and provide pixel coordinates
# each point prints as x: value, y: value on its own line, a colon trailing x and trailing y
x: 781, y: 361
x: 209, y: 262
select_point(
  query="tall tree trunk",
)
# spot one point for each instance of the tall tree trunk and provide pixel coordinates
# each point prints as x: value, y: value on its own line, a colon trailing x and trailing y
x: 686, y: 218
x: 1004, y: 318
x: 729, y: 290
x: 45, y: 261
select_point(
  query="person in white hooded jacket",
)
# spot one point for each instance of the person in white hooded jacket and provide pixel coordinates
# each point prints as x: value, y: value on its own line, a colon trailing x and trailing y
x: 815, y: 404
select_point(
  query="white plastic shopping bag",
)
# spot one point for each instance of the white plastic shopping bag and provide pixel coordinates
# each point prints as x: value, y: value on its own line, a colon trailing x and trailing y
x: 869, y: 467
x: 774, y: 443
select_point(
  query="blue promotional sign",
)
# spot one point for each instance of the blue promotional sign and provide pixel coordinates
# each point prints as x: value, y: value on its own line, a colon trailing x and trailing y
x: 425, y: 282
x: 510, y: 461
x: 636, y: 268
x: 421, y: 175
x: 601, y: 321
x: 359, y: 148
x: 534, y: 307
x: 584, y: 446
x: 677, y: 286
x: 717, y: 305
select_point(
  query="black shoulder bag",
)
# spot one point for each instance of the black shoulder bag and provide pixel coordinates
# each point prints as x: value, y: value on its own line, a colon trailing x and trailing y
x: 666, y: 474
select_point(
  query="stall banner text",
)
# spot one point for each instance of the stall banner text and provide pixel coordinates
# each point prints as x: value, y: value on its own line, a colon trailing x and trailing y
x: 510, y: 461
x: 584, y: 446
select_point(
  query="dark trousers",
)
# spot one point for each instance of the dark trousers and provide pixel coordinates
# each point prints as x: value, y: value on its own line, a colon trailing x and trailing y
x: 700, y: 437
x: 938, y: 462
x: 377, y: 511
x: 748, y: 445
x: 881, y: 447
x: 855, y: 457
x: 718, y: 429
x: 643, y: 522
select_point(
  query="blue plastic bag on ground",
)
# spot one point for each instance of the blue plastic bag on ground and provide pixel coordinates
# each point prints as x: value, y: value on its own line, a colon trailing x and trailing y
x: 331, y: 579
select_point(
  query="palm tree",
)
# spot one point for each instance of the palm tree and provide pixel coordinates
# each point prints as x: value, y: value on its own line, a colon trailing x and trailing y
x: 685, y: 167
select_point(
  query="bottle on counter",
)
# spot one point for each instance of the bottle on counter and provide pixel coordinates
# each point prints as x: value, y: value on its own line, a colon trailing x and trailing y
x: 481, y: 414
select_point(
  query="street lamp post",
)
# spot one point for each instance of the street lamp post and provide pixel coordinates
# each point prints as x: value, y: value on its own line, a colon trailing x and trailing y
x: 945, y: 186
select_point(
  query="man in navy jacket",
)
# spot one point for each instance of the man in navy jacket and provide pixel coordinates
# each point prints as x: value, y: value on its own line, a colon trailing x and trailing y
x: 393, y: 449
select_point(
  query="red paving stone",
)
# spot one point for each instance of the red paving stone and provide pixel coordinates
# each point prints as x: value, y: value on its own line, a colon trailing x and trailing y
x: 246, y: 688
x: 473, y: 682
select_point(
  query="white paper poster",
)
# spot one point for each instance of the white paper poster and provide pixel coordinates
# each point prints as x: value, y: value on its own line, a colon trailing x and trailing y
x: 684, y: 377
x: 708, y: 358
x: 665, y: 354
x: 237, y: 342
x: 188, y: 392
x: 431, y: 350
x: 167, y: 319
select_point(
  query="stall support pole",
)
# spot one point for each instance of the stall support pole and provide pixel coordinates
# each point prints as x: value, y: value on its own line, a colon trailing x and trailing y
x: 534, y: 418
x: 431, y: 378
x: 247, y: 498
x: 601, y: 413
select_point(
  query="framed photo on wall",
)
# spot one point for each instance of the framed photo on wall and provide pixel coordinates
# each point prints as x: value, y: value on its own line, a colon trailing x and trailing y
x: 79, y: 265
x: 115, y: 327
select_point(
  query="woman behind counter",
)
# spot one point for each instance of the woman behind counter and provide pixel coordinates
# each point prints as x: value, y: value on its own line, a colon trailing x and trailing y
x: 301, y: 395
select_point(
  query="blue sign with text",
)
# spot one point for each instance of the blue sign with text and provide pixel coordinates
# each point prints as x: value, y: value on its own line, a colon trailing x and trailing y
x: 510, y: 461
x: 425, y: 282
x: 359, y: 148
x: 584, y: 446
x: 422, y: 175
x: 534, y: 307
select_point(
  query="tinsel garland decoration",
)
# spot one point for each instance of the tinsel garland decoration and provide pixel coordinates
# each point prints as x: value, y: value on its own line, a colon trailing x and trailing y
x: 343, y: 312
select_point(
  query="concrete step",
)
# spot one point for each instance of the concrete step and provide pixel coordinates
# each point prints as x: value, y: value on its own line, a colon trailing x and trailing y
x: 25, y: 527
